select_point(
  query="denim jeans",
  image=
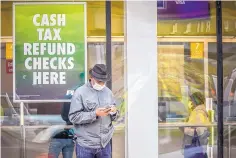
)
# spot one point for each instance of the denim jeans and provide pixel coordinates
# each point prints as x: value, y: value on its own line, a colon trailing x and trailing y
x: 82, y: 152
x: 66, y: 146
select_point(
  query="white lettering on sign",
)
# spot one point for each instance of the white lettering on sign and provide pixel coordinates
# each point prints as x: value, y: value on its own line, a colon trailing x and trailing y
x: 188, y: 28
x: 198, y: 27
x: 49, y: 20
x: 28, y: 63
x: 47, y: 55
x: 226, y: 25
x: 197, y: 46
x: 50, y: 48
x: 202, y: 27
x: 208, y: 26
x: 180, y: 2
x: 46, y: 63
x: 49, y: 78
x: 49, y: 34
x: 9, y: 66
x: 175, y: 29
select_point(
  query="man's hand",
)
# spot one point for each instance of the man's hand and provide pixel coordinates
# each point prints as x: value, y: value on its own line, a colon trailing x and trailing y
x: 101, y: 112
x: 113, y: 109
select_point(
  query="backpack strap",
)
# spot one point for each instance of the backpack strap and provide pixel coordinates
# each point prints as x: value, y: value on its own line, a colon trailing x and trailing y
x: 196, y: 137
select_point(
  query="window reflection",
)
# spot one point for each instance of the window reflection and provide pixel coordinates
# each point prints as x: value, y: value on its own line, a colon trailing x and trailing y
x: 96, y: 54
x: 229, y: 72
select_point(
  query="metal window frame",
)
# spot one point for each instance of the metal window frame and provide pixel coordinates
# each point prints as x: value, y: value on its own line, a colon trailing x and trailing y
x: 220, y: 123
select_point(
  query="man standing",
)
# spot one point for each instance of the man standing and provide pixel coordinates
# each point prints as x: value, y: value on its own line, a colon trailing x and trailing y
x: 92, y: 112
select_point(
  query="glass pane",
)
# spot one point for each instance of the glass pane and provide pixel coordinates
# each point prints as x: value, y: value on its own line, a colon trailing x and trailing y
x: 118, y: 91
x: 9, y: 113
x: 11, y: 141
x: 40, y: 144
x: 229, y: 70
x: 96, y: 54
x: 229, y: 110
x: 184, y: 82
x: 42, y: 120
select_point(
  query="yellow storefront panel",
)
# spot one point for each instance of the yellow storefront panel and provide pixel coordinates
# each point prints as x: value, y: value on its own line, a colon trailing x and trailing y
x: 9, y: 51
x: 197, y: 50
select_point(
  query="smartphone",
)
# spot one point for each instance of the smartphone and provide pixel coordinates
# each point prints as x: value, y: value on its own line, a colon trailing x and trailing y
x: 108, y: 109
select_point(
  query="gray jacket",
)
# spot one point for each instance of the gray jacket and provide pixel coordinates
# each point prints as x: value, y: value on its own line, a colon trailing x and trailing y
x: 92, y: 131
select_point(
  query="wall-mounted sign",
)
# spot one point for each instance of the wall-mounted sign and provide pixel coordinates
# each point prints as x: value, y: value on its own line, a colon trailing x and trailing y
x: 9, y: 51
x: 196, y: 27
x: 197, y: 50
x: 182, y: 9
x: 195, y: 18
x: 51, y: 54
x: 9, y: 66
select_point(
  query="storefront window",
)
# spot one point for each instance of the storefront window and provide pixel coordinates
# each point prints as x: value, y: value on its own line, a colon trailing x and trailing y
x: 43, y: 119
x: 183, y: 69
x: 186, y: 64
x: 229, y: 74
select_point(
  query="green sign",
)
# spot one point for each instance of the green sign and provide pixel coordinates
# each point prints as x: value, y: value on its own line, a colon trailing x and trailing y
x: 49, y: 50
